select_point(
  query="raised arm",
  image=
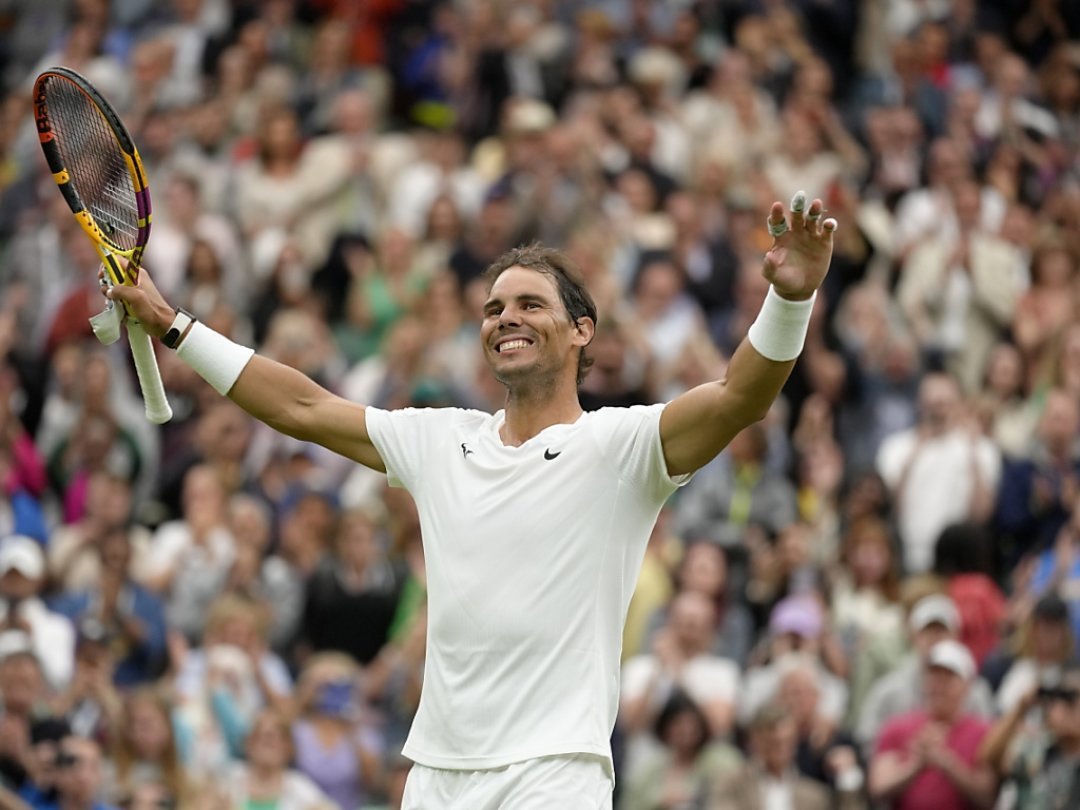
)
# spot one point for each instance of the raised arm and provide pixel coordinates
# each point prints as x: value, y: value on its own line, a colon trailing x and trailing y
x: 272, y: 392
x: 700, y: 423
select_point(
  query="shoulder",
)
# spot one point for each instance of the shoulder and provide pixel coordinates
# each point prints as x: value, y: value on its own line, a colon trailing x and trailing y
x: 442, y: 417
x: 620, y: 420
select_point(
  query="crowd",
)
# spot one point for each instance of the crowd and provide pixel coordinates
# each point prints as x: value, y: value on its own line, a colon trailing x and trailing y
x: 871, y: 598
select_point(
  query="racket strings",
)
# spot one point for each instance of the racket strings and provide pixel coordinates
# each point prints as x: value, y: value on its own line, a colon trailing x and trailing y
x: 93, y: 158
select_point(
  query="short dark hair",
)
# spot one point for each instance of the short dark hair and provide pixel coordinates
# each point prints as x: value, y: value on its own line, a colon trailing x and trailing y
x: 568, y: 278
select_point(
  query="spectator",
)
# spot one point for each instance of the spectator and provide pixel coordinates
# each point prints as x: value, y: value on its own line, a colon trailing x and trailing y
x: 73, y: 554
x: 939, y: 472
x: 736, y: 490
x: 90, y: 703
x: 265, y: 775
x: 825, y: 753
x: 42, y: 763
x: 262, y: 576
x: 770, y: 770
x: 866, y: 610
x: 222, y: 685
x: 959, y: 295
x: 1038, y: 490
x: 190, y: 558
x: 1045, y: 649
x: 933, y: 619
x: 79, y: 775
x: 145, y: 750
x: 1041, y: 770
x: 928, y: 758
x: 684, y: 768
x: 335, y: 740
x: 25, y: 693
x: 353, y: 593
x: 704, y: 569
x: 22, y: 611
x: 797, y: 639
x: 961, y: 559
x: 129, y: 617
x: 681, y: 658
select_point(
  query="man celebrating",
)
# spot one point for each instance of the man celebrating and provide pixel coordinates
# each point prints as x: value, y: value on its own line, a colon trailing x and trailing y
x: 535, y: 518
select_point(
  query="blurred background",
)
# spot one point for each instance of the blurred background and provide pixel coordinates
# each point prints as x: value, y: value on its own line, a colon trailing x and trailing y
x: 871, y: 598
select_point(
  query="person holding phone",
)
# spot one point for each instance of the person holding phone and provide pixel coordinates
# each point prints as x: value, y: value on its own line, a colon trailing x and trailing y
x: 337, y: 747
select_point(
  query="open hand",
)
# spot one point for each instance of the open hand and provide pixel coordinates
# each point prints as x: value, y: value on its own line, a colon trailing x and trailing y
x: 802, y: 248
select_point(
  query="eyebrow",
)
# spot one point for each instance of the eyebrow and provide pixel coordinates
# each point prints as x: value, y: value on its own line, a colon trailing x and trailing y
x: 523, y: 297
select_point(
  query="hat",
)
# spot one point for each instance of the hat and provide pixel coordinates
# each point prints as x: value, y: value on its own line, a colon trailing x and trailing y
x: 953, y: 656
x: 22, y: 554
x: 529, y: 116
x: 800, y: 615
x: 1051, y: 608
x: 934, y: 609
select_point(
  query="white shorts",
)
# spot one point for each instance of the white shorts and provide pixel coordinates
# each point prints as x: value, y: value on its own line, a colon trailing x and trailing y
x: 572, y: 782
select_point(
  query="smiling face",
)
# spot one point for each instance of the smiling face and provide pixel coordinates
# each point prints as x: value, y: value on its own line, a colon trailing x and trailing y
x: 527, y: 334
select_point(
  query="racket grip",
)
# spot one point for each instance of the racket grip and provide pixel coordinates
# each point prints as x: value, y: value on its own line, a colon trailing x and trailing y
x: 157, y: 405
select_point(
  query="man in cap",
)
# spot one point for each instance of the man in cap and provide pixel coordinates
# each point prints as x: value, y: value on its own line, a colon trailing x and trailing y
x: 934, y: 618
x: 22, y: 572
x: 929, y: 757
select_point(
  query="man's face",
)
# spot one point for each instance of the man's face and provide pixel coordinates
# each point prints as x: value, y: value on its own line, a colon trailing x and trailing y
x: 79, y: 770
x: 1063, y: 711
x: 527, y: 333
x: 21, y: 683
x: 939, y: 400
x: 944, y: 693
x: 16, y: 585
x: 775, y: 746
x: 930, y: 635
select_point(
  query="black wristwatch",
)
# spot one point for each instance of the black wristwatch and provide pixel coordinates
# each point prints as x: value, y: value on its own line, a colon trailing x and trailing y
x: 180, y: 325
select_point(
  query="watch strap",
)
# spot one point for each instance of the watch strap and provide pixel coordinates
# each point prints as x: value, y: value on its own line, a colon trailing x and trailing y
x: 180, y: 325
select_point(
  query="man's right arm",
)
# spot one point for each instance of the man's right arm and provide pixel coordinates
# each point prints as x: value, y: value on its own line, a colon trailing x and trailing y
x: 272, y: 392
x: 295, y: 405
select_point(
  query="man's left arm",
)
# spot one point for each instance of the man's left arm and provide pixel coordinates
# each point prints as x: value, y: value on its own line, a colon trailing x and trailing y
x: 699, y: 424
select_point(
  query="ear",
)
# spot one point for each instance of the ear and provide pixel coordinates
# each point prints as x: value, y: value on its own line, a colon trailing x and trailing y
x: 584, y: 329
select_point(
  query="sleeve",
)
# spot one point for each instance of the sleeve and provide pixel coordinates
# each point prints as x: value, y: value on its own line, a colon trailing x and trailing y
x: 404, y: 438
x: 629, y: 438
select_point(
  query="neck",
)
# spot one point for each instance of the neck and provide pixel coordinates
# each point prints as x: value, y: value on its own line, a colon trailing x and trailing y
x: 529, y: 411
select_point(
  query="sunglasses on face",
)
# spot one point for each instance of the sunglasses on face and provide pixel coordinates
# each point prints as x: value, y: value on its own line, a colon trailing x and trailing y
x: 1051, y: 694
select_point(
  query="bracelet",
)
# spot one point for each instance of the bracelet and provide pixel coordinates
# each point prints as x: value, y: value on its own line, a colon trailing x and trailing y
x: 181, y: 325
x: 214, y: 357
x: 779, y: 331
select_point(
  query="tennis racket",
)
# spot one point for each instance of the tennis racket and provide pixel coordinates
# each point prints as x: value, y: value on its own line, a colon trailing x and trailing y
x: 98, y: 170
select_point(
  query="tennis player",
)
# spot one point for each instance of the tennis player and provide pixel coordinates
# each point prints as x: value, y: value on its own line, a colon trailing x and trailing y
x: 534, y: 519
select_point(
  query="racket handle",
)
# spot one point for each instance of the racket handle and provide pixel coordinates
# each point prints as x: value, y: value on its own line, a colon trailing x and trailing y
x: 157, y: 405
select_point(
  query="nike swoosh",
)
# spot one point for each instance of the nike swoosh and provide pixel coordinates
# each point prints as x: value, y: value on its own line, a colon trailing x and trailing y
x: 551, y: 456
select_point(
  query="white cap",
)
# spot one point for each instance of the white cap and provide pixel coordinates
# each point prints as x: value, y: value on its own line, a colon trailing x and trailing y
x: 953, y: 656
x: 934, y: 609
x: 22, y: 554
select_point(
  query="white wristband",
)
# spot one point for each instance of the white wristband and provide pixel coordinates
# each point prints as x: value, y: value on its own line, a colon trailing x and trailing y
x: 779, y: 331
x: 213, y: 356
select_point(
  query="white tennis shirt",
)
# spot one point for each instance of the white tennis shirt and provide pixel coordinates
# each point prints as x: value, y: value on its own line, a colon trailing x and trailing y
x: 532, y: 554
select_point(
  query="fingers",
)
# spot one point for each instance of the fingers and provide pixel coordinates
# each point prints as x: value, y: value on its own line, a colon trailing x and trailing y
x: 798, y: 210
x: 802, y: 217
x: 777, y: 223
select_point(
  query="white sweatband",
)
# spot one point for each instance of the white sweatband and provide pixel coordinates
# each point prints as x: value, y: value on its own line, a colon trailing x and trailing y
x: 213, y: 356
x: 779, y: 331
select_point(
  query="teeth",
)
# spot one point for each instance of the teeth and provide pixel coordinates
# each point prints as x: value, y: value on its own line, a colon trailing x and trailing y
x: 513, y: 344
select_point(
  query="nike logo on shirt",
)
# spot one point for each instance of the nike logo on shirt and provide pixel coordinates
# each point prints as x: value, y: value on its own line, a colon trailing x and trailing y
x: 551, y: 456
